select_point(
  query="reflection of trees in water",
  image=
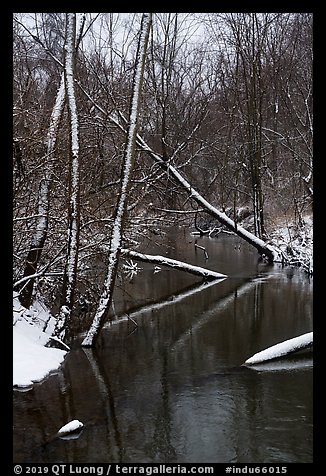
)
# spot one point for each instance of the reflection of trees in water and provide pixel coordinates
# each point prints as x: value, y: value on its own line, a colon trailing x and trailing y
x: 42, y: 411
x: 158, y: 446
x: 104, y: 385
x: 161, y: 450
x: 274, y: 422
x: 67, y: 409
x: 169, y: 300
x: 31, y: 416
x: 230, y: 298
x: 151, y: 393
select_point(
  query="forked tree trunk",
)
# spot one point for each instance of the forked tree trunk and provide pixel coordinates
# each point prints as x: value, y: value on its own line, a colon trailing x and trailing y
x: 41, y: 228
x: 129, y: 157
x: 40, y: 234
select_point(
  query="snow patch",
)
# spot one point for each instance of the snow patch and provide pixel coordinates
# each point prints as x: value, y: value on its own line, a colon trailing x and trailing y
x: 32, y: 361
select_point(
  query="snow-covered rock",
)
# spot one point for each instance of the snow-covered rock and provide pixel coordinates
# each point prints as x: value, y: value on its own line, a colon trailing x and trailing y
x: 72, y: 426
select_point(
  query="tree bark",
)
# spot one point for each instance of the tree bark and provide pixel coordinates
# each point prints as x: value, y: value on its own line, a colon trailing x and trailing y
x: 40, y: 235
x: 263, y: 248
x: 128, y: 162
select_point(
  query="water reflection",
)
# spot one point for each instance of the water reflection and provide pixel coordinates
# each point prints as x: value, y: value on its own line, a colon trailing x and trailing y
x: 173, y: 389
x: 161, y: 448
x: 107, y: 398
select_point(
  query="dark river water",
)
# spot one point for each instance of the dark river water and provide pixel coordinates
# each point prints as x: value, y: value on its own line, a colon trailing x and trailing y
x: 172, y: 388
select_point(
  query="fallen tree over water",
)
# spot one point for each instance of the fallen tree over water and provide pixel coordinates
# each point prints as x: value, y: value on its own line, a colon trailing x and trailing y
x: 207, y: 274
x: 263, y: 248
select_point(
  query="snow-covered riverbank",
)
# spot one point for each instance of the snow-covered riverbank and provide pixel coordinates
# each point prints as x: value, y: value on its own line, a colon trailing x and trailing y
x: 32, y: 361
x: 296, y: 243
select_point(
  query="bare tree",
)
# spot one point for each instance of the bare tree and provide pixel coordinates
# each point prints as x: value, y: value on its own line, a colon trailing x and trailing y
x: 129, y: 157
x: 249, y: 32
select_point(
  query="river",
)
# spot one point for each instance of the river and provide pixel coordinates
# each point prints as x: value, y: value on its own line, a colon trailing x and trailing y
x: 167, y: 385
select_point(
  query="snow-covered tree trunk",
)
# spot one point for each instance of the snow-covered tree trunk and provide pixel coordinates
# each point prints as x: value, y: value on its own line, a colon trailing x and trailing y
x: 129, y: 157
x: 264, y: 248
x: 41, y: 228
x: 69, y: 280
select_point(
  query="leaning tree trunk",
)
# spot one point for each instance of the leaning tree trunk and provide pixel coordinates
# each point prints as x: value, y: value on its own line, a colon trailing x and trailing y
x: 69, y: 279
x: 265, y: 249
x: 41, y: 228
x: 129, y: 157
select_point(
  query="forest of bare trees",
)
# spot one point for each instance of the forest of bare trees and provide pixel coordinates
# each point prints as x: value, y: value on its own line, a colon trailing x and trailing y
x: 123, y: 120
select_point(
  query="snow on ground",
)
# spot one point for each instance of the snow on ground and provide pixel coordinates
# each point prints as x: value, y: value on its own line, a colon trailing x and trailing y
x: 32, y: 361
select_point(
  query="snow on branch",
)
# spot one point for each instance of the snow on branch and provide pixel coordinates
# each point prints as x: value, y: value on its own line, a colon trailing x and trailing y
x: 260, y: 245
x: 74, y: 178
x: 272, y: 253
